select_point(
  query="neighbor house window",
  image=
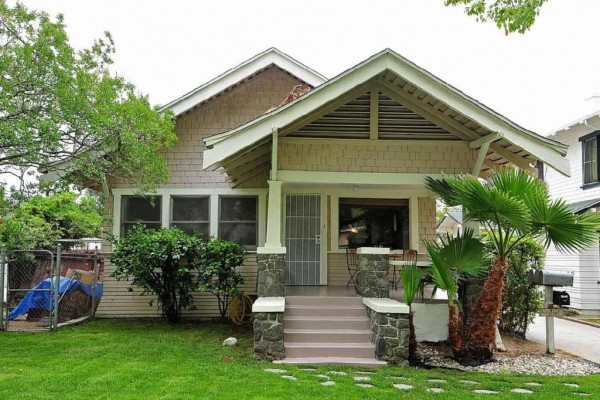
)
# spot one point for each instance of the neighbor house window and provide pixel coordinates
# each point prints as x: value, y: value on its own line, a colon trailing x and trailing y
x: 140, y: 210
x: 191, y: 214
x: 590, y: 158
x: 373, y: 223
x: 238, y: 219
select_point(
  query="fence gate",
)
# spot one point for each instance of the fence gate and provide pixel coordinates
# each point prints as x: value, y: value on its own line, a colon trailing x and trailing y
x: 28, y: 278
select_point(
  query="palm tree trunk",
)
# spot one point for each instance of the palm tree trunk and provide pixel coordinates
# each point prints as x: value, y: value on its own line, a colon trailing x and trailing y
x: 412, y: 338
x: 455, y: 325
x: 479, y: 341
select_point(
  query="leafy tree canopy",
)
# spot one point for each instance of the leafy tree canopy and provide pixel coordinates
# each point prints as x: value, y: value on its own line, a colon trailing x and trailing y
x: 64, y: 110
x: 510, y: 15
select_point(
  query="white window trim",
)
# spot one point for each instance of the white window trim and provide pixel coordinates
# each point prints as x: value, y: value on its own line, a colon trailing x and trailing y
x: 214, y: 194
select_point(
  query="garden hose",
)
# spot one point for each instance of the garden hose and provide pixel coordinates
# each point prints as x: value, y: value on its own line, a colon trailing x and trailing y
x: 240, y: 310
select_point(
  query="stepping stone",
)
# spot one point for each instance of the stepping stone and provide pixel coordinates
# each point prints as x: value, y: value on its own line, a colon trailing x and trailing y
x: 328, y: 383
x: 485, y: 391
x: 402, y: 386
x: 437, y: 380
x: 581, y: 394
x: 467, y: 382
x: 337, y: 373
x: 573, y: 385
x: 289, y: 377
x: 308, y: 369
x: 321, y: 376
x: 365, y: 373
x: 533, y: 384
x: 398, y: 377
x: 519, y: 390
x: 365, y: 385
x: 276, y: 371
x: 362, y: 379
x: 435, y: 390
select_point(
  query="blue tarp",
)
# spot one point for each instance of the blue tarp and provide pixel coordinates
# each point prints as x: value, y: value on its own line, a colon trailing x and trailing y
x: 37, y: 299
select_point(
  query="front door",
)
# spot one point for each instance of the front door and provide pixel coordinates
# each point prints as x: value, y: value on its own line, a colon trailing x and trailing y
x: 302, y: 239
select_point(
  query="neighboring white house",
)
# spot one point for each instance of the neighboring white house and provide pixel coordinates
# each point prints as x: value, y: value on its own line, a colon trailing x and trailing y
x: 582, y: 191
x: 451, y: 222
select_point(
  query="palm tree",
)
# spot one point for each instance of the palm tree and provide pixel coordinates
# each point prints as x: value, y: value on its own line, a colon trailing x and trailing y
x: 411, y: 276
x: 454, y: 259
x: 511, y: 206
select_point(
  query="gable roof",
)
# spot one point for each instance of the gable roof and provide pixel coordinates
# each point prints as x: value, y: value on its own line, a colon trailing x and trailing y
x: 226, y: 144
x: 244, y: 70
x: 583, y: 206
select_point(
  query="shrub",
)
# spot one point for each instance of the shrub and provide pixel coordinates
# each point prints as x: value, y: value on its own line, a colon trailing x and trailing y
x: 217, y: 270
x: 520, y: 300
x: 160, y: 262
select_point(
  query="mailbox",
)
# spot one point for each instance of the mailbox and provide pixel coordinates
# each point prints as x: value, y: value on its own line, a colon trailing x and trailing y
x: 561, y: 298
x: 550, y: 278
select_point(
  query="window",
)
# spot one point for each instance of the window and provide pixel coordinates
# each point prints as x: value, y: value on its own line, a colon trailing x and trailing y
x: 238, y: 219
x: 590, y: 158
x: 138, y: 209
x: 191, y: 214
x: 373, y: 222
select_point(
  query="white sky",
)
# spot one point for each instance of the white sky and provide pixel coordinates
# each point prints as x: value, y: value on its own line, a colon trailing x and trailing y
x: 166, y: 48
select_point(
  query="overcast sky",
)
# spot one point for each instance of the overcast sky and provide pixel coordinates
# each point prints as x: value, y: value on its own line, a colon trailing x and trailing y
x: 166, y: 48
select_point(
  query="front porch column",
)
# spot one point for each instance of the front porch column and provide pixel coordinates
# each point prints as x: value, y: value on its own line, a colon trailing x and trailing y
x: 274, y: 215
x: 372, y: 272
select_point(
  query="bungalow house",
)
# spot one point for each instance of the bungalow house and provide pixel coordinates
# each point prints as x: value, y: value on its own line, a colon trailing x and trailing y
x: 298, y: 167
x: 581, y: 190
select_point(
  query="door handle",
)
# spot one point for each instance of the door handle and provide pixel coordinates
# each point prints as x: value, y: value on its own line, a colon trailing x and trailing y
x: 318, y: 239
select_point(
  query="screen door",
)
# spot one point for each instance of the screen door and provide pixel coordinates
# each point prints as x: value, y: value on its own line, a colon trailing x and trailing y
x: 302, y: 239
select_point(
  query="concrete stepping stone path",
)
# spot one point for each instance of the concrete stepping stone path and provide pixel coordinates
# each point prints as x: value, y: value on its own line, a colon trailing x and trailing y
x: 403, y: 386
x: 308, y: 369
x: 340, y: 373
x: 435, y: 390
x: 328, y: 383
x: 362, y: 379
x: 533, y: 384
x: 467, y: 382
x: 289, y: 377
x: 519, y: 390
x: 485, y: 391
x: 276, y: 371
x: 573, y: 385
x: 437, y: 380
x: 581, y: 394
x: 321, y: 376
x: 365, y: 385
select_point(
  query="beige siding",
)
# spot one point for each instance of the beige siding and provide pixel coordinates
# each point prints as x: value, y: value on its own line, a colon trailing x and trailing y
x: 381, y: 156
x: 426, y: 221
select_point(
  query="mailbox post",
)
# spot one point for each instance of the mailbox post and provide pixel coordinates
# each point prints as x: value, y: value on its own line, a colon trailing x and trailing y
x: 549, y: 280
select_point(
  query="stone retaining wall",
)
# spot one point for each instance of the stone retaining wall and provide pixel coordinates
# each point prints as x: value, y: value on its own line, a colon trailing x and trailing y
x: 390, y: 336
x: 268, y: 336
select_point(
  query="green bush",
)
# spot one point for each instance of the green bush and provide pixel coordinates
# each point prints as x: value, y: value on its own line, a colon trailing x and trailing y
x: 520, y: 300
x: 218, y: 273
x: 162, y: 262
x: 40, y: 221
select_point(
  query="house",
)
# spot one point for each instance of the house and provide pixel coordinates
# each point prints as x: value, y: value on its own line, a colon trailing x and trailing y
x: 298, y: 178
x: 581, y: 190
x: 451, y: 222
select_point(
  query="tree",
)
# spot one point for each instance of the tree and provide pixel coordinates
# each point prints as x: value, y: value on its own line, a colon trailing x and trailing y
x: 453, y: 260
x: 217, y: 265
x: 160, y: 261
x: 63, y: 110
x: 40, y: 221
x: 512, y: 206
x: 510, y: 15
x: 412, y: 282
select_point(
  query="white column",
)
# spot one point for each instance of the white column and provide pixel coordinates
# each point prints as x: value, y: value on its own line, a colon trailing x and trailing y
x: 273, y: 240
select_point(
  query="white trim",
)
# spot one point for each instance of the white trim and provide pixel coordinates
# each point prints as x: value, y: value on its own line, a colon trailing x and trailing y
x: 244, y: 70
x: 269, y: 304
x: 354, y: 178
x: 214, y: 194
x: 271, y: 250
x: 274, y: 215
x: 486, y: 139
x: 481, y: 154
x: 373, y: 250
x: 323, y: 245
x: 226, y: 144
x: 386, y: 306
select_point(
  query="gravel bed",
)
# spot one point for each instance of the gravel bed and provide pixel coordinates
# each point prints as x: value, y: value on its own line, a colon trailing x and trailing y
x: 519, y: 364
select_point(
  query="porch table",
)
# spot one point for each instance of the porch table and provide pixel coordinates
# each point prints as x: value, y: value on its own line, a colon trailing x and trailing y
x: 397, y: 267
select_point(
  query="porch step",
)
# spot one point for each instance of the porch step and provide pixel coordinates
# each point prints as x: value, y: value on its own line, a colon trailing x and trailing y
x: 324, y: 310
x: 320, y: 301
x: 326, y: 335
x: 349, y: 361
x: 307, y: 350
x: 314, y: 322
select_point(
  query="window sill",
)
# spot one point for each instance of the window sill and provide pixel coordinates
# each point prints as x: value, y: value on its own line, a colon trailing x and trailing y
x: 590, y: 185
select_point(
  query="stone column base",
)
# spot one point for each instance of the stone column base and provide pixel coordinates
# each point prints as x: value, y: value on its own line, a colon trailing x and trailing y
x: 372, y: 272
x: 268, y: 336
x: 271, y: 272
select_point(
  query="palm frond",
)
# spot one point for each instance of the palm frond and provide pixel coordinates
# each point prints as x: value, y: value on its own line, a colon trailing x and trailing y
x: 411, y: 276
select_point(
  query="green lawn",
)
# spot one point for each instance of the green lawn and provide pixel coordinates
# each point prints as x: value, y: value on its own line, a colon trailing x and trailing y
x: 108, y: 359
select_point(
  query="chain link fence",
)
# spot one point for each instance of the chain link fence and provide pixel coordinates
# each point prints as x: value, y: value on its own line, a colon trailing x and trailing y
x: 34, y: 281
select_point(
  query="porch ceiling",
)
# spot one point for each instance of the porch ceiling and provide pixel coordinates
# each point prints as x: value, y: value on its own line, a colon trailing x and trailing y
x: 411, y: 104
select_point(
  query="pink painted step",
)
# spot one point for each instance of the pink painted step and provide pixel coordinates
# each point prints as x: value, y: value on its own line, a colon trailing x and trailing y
x: 323, y: 301
x: 348, y: 361
x: 325, y: 311
x: 326, y: 335
x: 353, y: 350
x: 318, y: 322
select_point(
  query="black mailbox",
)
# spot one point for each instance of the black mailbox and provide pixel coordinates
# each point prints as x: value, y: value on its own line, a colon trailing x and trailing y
x: 561, y: 298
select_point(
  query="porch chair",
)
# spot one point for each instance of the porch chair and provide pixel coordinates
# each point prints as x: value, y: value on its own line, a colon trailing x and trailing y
x: 352, y: 266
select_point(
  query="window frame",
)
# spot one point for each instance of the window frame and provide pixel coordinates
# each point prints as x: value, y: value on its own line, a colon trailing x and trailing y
x: 172, y: 199
x: 255, y: 221
x: 123, y: 221
x: 584, y: 139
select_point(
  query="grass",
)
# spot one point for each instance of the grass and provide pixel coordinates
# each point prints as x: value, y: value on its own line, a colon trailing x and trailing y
x: 112, y: 359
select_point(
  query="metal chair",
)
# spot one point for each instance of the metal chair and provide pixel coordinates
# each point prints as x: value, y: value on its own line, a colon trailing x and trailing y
x: 352, y: 266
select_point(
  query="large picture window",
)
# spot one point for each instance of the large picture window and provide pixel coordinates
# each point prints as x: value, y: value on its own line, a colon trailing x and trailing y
x: 590, y: 160
x: 138, y: 209
x: 238, y: 219
x: 373, y: 223
x: 191, y: 214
